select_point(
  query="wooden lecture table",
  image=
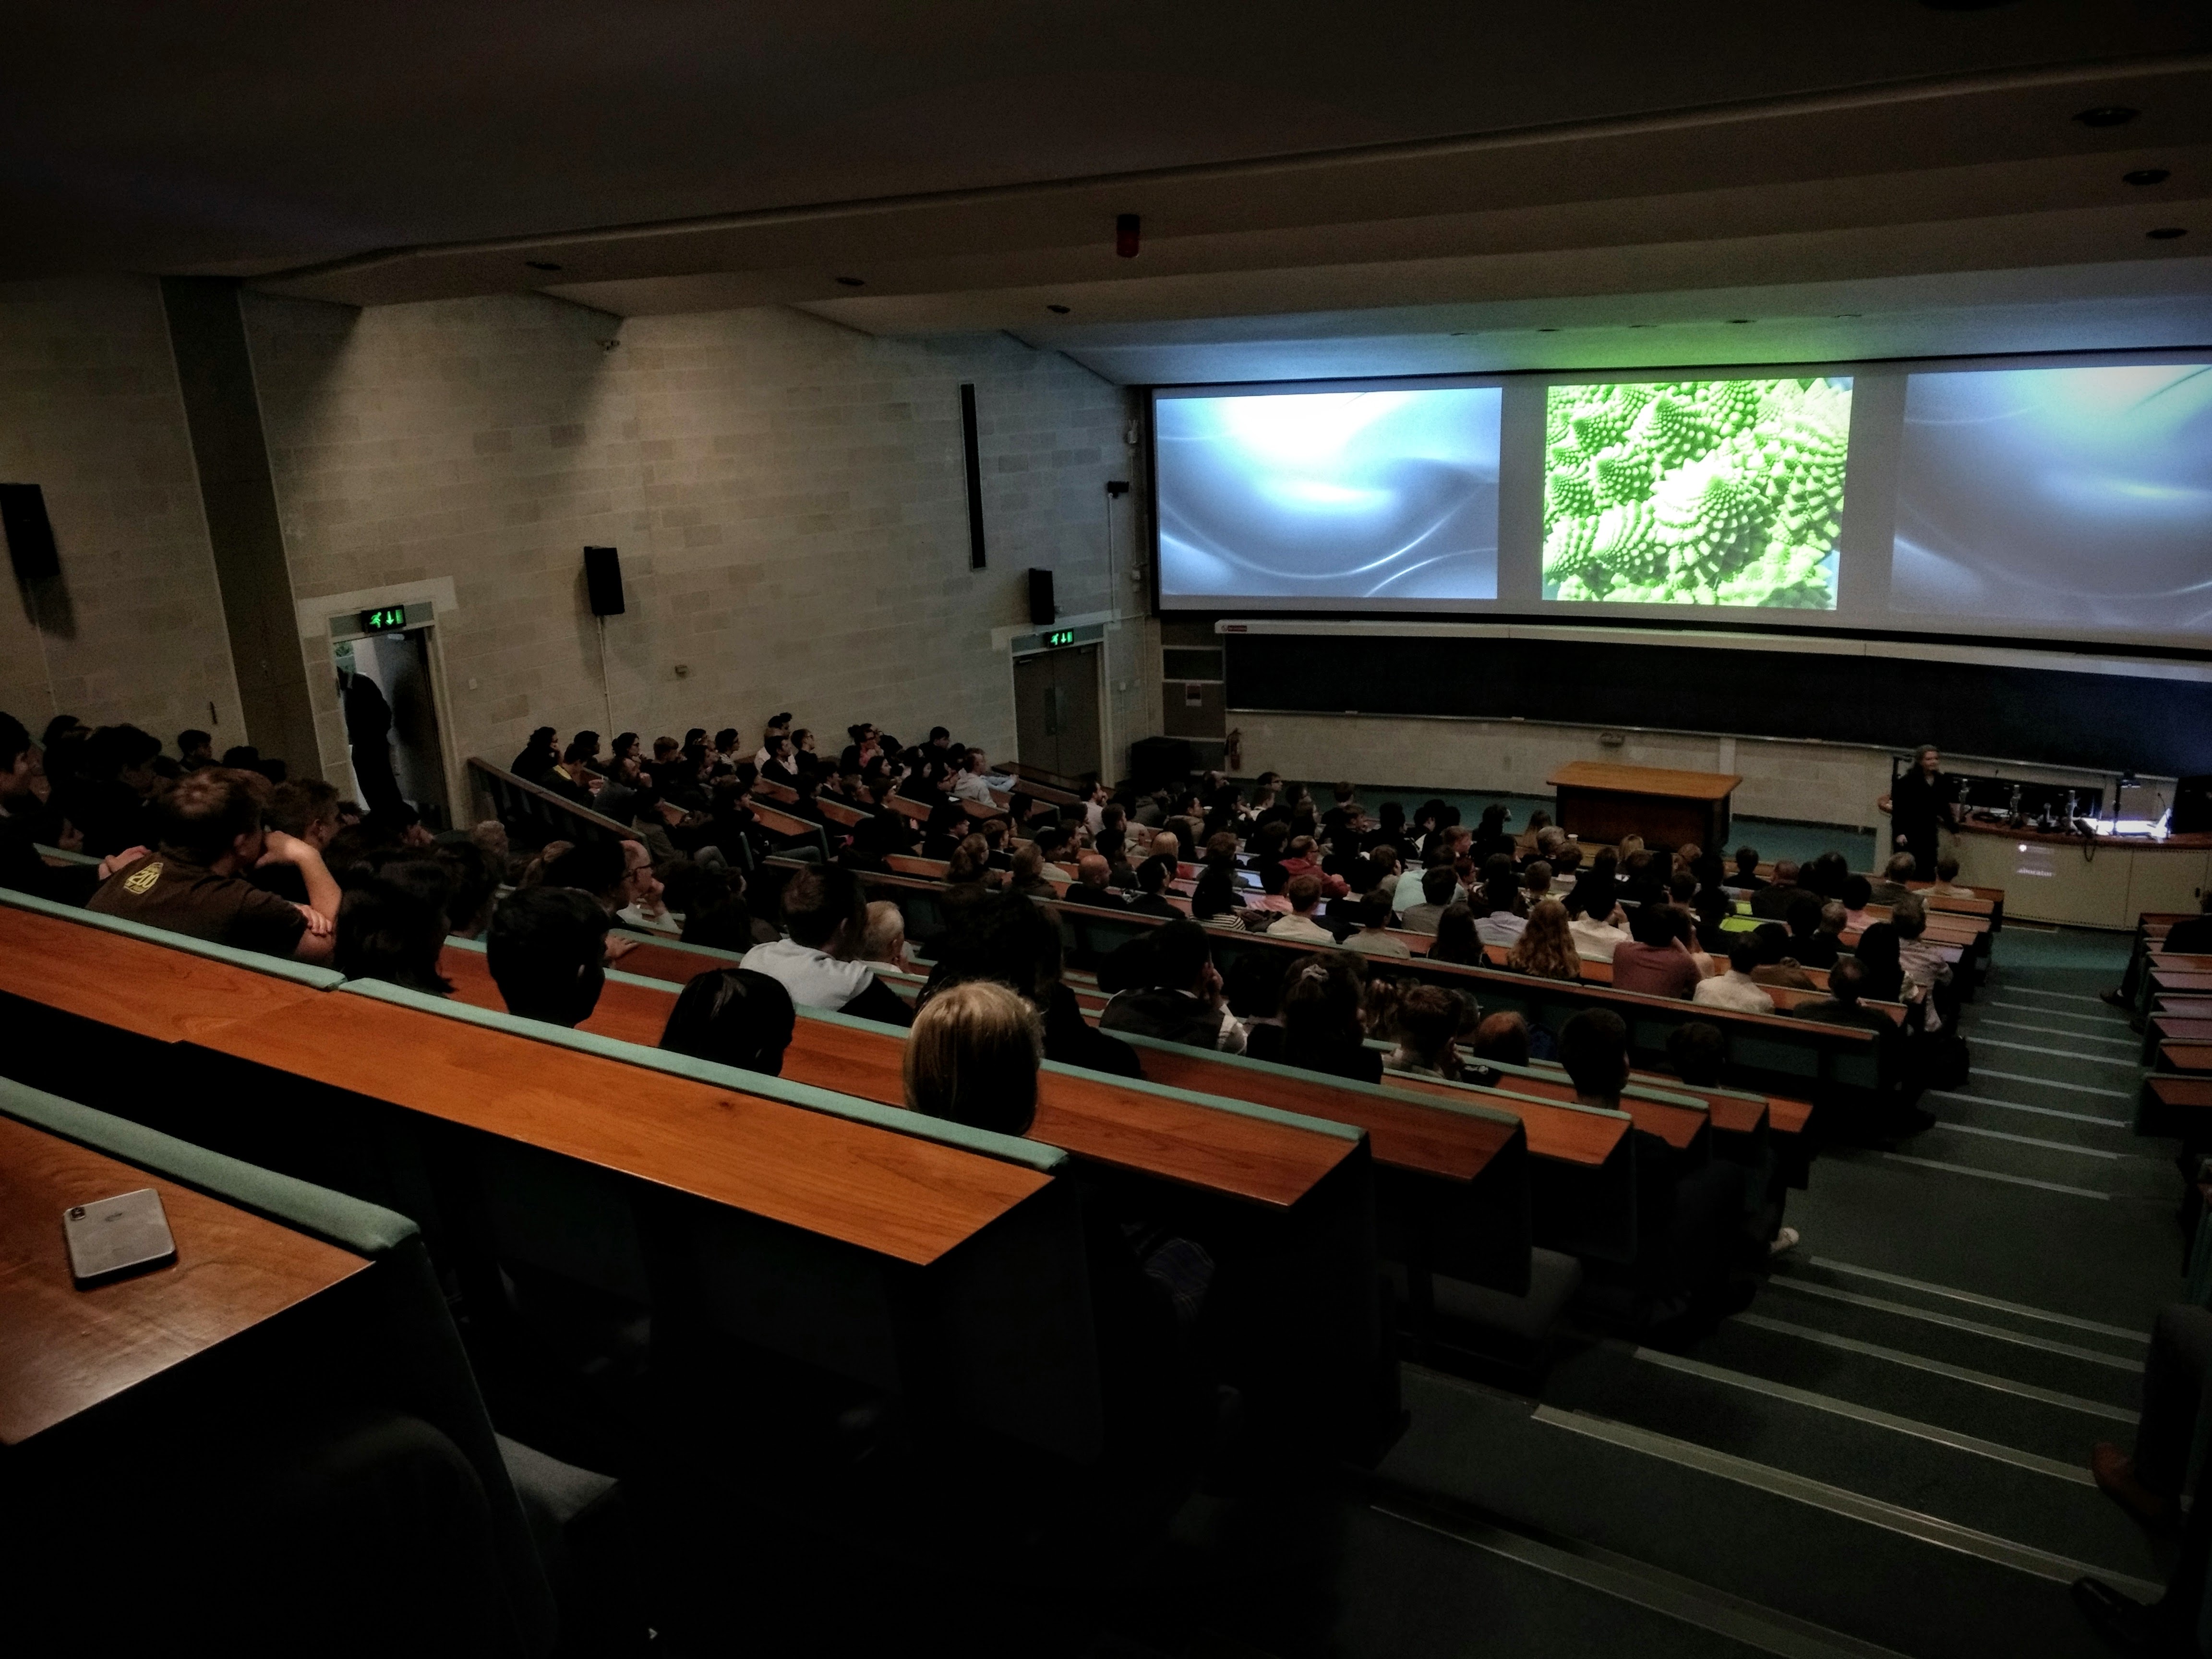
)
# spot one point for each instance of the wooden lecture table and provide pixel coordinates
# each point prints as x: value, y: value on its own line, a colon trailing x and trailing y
x: 64, y: 1350
x: 1599, y: 802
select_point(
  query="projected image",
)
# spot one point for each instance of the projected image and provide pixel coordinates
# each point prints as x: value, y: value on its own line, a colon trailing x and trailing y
x: 1383, y: 496
x: 1696, y: 492
x: 2081, y: 497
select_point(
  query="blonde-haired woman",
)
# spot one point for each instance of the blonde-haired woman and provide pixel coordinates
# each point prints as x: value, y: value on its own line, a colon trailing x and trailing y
x: 1547, y: 946
x: 972, y: 1057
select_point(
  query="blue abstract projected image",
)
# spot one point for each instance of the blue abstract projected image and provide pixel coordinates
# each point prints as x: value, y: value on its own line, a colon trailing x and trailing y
x: 2081, y: 497
x: 1381, y: 496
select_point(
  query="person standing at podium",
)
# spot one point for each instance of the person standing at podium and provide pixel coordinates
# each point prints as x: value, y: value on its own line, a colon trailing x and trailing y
x: 1920, y: 801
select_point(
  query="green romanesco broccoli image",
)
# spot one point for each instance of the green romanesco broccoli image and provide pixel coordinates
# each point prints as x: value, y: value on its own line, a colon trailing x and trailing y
x: 1699, y: 492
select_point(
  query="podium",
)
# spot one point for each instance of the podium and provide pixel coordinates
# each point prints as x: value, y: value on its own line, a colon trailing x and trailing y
x: 1602, y: 803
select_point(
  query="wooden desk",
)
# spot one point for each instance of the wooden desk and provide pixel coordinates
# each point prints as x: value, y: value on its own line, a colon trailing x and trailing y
x: 1599, y: 802
x: 2177, y: 1106
x: 2190, y: 1057
x: 1096, y: 1118
x: 132, y: 985
x: 911, y: 1201
x: 63, y: 1350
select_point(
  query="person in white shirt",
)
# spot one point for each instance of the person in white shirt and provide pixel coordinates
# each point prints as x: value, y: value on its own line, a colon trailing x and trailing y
x: 1947, y: 879
x: 779, y: 727
x: 1736, y: 988
x: 1923, y: 962
x: 1439, y: 890
x: 826, y: 922
x: 970, y: 783
x: 1597, y: 938
x: 1374, y: 938
x: 1304, y: 895
x: 1500, y: 913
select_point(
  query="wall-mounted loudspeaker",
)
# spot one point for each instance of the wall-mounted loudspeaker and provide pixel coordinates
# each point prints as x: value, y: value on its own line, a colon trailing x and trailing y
x: 30, y: 537
x: 1042, y: 610
x: 603, y: 580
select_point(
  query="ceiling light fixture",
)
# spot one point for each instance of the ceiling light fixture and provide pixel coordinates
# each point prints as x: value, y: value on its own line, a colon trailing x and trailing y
x: 2166, y: 232
x: 852, y: 281
x: 541, y: 264
x: 2146, y: 176
x: 1057, y: 311
x: 2107, y: 115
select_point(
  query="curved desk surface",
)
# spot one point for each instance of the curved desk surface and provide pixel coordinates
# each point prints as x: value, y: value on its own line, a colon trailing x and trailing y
x: 2088, y: 881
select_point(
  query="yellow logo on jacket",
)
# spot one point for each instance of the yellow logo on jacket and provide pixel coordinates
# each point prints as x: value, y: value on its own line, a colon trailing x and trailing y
x: 141, y: 881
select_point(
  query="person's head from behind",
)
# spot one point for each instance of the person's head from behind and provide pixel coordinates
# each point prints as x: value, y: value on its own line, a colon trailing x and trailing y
x: 1910, y: 918
x: 1153, y: 877
x: 547, y: 948
x: 18, y: 759
x: 733, y: 1016
x: 1304, y: 893
x: 1785, y: 873
x: 1652, y: 925
x: 1091, y: 870
x: 392, y: 924
x: 1456, y: 937
x: 1846, y: 981
x: 1182, y: 959
x: 972, y: 1057
x: 1604, y: 866
x: 306, y: 809
x: 1438, y: 884
x: 1006, y: 938
x: 1428, y: 1020
x: 1697, y: 1051
x: 472, y: 879
x: 1502, y: 1040
x: 1321, y: 1006
x: 1742, y: 952
x: 1536, y: 880
x: 1859, y: 893
x: 825, y: 909
x: 1804, y: 916
x: 1947, y: 872
x: 969, y: 859
x: 1746, y: 860
x: 1029, y: 866
x: 1834, y: 917
x: 124, y: 754
x: 1901, y: 868
x: 1593, y: 1048
x: 1770, y: 942
x: 212, y: 818
x: 882, y: 937
x: 597, y: 867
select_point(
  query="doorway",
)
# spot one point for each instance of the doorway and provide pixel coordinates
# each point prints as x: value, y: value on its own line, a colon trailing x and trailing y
x: 396, y: 686
x: 1057, y: 710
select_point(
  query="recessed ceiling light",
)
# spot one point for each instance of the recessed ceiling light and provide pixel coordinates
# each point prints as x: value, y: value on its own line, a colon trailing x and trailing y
x: 541, y: 264
x: 2146, y: 176
x: 852, y: 281
x: 2107, y: 115
x: 1057, y: 311
x: 2165, y: 233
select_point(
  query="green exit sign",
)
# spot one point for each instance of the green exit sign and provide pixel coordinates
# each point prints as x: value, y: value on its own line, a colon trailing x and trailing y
x: 1064, y: 637
x: 384, y: 621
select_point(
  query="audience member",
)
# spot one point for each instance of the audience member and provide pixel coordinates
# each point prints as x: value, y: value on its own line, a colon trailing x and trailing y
x: 209, y: 835
x: 1456, y: 940
x: 1017, y: 943
x: 1736, y: 988
x: 392, y: 925
x: 22, y: 869
x: 826, y: 921
x: 1304, y: 894
x: 972, y: 1058
x: 1946, y: 880
x: 1322, y: 1030
x: 1427, y: 1021
x: 1770, y: 944
x: 1547, y: 947
x: 733, y: 1016
x: 1502, y: 1040
x: 1373, y: 937
x: 1747, y: 879
x: 1182, y: 1001
x: 1439, y: 886
x: 1891, y: 887
x: 1597, y: 890
x: 1815, y: 931
x: 547, y: 953
x: 1655, y: 961
x: 1772, y: 902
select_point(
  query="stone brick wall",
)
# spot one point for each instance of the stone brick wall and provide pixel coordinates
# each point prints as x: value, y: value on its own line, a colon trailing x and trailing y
x: 788, y: 496
x: 89, y: 409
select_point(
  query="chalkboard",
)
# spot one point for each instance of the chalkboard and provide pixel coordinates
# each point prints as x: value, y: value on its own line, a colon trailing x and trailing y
x: 2105, y: 722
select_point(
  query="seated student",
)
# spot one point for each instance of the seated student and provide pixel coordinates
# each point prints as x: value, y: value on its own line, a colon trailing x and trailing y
x: 1152, y: 900
x: 1922, y: 963
x: 1500, y: 913
x: 1900, y: 869
x: 1372, y: 936
x: 1546, y: 947
x: 1841, y: 1006
x: 1456, y: 940
x: 1597, y: 890
x: 824, y: 916
x: 1858, y: 893
x: 1880, y: 959
x: 1183, y: 1001
x: 1427, y: 1022
x: 733, y: 1017
x: 1735, y: 988
x: 1502, y: 1040
x: 882, y: 939
x: 1017, y: 943
x: 1770, y: 944
x: 194, y: 882
x: 392, y: 925
x: 1302, y: 861
x: 1305, y: 895
x: 1772, y: 902
x: 1439, y: 883
x: 547, y: 951
x: 1537, y: 884
x: 1596, y: 937
x: 618, y: 874
x: 1710, y: 906
x: 1090, y: 886
x: 1655, y: 961
x: 1643, y: 878
x: 1946, y: 880
x: 195, y: 749
x: 1746, y: 878
x: 1322, y: 1030
x: 1815, y: 931
x: 473, y: 879
x: 972, y: 1058
x: 22, y: 869
x: 1026, y: 876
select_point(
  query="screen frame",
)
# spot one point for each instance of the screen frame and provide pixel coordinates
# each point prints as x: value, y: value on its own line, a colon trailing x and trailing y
x: 1865, y: 540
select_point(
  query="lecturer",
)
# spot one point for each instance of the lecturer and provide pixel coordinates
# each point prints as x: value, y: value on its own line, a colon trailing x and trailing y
x: 1920, y: 801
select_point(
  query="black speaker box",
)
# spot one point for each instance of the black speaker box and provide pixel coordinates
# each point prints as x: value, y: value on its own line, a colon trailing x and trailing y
x: 603, y: 580
x: 30, y: 535
x: 1041, y: 609
x: 2192, y: 806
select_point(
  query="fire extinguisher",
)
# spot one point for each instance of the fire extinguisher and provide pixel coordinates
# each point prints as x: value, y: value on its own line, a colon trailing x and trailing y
x: 1235, y: 754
